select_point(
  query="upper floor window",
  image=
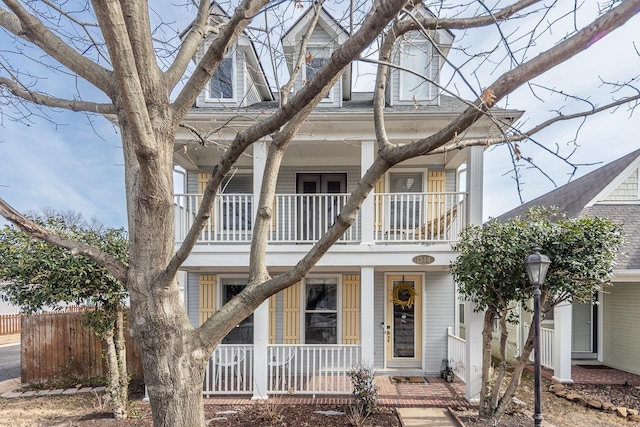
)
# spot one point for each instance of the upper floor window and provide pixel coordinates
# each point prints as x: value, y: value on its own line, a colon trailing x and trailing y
x: 316, y: 58
x: 221, y: 86
x: 418, y: 57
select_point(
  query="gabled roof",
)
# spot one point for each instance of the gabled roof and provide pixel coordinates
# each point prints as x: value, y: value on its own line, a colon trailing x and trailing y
x: 585, y: 197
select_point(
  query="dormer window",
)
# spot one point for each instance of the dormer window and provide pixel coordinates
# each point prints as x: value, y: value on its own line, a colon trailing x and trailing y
x: 222, y: 84
x: 418, y: 56
x: 315, y: 59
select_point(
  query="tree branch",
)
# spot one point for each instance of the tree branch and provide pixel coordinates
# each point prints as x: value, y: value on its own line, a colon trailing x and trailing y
x: 26, y: 26
x: 197, y: 32
x: 49, y: 101
x: 114, y: 266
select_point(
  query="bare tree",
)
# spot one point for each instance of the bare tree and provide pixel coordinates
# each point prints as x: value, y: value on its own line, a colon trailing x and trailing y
x: 114, y: 50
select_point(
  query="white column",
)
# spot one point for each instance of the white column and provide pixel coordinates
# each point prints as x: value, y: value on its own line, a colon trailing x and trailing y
x: 367, y: 155
x: 475, y: 171
x: 474, y: 321
x: 562, y: 327
x: 261, y: 315
x: 473, y: 355
x: 367, y: 324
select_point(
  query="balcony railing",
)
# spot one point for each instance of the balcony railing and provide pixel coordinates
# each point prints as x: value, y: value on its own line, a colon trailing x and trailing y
x: 304, y: 218
x: 418, y: 217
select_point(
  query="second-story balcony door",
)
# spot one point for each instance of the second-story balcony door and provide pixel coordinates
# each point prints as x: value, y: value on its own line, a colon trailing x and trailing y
x: 317, y: 208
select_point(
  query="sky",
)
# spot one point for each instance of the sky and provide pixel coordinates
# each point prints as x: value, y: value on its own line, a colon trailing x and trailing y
x: 64, y: 163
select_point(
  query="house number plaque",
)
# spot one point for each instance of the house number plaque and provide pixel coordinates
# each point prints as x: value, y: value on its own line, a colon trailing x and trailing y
x: 423, y: 259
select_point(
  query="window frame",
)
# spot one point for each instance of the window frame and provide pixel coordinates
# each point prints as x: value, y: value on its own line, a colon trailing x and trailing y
x: 231, y: 54
x: 328, y: 98
x: 422, y: 45
x: 338, y: 310
x: 220, y: 301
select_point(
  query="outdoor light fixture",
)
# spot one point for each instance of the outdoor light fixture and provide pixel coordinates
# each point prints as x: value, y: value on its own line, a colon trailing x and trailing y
x: 536, y: 265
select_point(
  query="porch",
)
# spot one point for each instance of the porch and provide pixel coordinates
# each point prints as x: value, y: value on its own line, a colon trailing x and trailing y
x: 432, y: 217
x: 319, y: 370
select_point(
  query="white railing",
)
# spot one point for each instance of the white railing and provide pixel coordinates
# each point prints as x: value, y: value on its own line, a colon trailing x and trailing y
x: 456, y: 353
x: 302, y: 218
x: 230, y: 370
x: 418, y: 217
x: 311, y: 369
x: 230, y: 219
x: 546, y: 346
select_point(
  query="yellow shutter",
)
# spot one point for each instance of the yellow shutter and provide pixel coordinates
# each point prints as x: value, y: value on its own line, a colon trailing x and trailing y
x: 436, y: 208
x: 272, y: 319
x: 379, y: 220
x: 207, y: 296
x: 351, y: 309
x: 291, y: 315
x: 203, y: 177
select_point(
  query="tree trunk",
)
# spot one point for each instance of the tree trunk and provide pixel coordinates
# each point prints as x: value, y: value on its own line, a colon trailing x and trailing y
x: 115, y: 380
x: 504, y: 334
x: 487, y: 335
x: 173, y: 367
x: 515, y: 379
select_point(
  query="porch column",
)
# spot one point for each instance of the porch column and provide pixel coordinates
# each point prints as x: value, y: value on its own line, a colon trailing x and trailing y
x: 473, y: 354
x: 473, y: 321
x: 367, y: 323
x: 562, y: 331
x: 475, y: 171
x: 261, y: 315
x: 367, y: 155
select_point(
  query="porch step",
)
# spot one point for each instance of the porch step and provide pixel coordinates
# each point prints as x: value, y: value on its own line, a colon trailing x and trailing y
x: 432, y: 417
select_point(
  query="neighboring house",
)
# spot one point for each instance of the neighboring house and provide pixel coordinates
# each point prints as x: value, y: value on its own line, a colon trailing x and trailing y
x: 355, y: 307
x: 606, y: 330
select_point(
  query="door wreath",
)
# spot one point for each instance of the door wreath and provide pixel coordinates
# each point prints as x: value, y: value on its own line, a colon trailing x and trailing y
x: 404, y: 295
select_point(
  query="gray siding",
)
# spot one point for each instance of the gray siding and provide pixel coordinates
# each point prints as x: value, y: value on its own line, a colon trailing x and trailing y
x: 626, y: 191
x: 193, y: 303
x: 621, y: 345
x: 439, y: 312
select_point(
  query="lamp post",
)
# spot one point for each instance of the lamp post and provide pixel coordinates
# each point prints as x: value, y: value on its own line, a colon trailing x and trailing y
x: 536, y: 265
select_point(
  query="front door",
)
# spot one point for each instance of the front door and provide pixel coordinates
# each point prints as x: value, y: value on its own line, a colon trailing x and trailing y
x: 317, y: 209
x: 403, y: 328
x: 584, y: 329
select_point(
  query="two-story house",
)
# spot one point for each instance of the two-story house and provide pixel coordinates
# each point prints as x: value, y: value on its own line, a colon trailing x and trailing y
x: 382, y: 296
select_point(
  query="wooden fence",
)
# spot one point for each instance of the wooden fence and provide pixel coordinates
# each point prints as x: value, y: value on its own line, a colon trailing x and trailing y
x: 9, y: 324
x: 58, y: 347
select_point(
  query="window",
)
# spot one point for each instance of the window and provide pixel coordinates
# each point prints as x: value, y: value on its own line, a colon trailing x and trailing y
x: 243, y: 333
x: 316, y: 58
x: 321, y: 311
x: 405, y: 208
x: 236, y: 211
x: 417, y: 56
x: 221, y: 84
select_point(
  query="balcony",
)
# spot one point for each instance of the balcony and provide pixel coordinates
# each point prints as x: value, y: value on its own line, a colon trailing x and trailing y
x: 422, y: 218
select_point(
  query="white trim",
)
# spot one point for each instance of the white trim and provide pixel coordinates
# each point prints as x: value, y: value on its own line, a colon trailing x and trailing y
x: 627, y: 275
x: 330, y: 48
x: 615, y: 183
x: 234, y: 83
x: 422, y: 46
x: 303, y: 306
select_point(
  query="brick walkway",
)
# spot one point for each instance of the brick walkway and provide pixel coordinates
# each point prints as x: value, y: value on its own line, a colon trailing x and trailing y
x: 435, y: 393
x: 596, y: 374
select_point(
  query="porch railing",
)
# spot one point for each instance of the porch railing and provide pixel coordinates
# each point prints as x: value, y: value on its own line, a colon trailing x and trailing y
x: 304, y: 218
x: 456, y: 351
x: 311, y: 369
x: 418, y: 217
x: 546, y: 346
x: 230, y: 370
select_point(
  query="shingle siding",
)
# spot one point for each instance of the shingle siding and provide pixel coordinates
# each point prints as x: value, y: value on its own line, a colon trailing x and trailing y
x: 627, y: 191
